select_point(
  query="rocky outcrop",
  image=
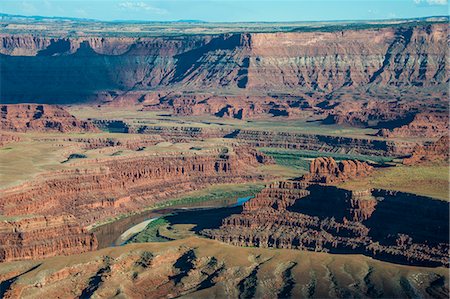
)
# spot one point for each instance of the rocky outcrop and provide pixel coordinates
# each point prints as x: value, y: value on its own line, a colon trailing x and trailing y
x: 429, y: 125
x: 347, y: 61
x: 122, y: 185
x: 327, y: 219
x: 38, y: 237
x: 41, y: 118
x: 326, y: 170
x: 6, y: 138
x: 431, y: 153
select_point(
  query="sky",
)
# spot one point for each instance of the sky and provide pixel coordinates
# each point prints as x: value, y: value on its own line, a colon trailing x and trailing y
x: 228, y: 10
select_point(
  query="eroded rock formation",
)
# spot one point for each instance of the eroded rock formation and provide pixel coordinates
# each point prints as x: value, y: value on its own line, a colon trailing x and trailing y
x: 38, y: 237
x: 120, y: 185
x: 240, y: 107
x: 326, y: 170
x: 275, y: 139
x: 41, y: 118
x: 327, y: 219
x: 433, y: 152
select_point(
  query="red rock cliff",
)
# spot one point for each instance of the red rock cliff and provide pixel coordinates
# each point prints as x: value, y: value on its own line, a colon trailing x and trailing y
x: 41, y: 118
x: 413, y: 56
x: 39, y: 237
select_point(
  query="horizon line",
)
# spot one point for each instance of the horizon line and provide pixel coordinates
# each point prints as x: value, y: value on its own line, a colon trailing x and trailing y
x: 64, y: 18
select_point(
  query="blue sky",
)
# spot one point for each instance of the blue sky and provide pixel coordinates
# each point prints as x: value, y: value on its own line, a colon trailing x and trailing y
x: 228, y: 10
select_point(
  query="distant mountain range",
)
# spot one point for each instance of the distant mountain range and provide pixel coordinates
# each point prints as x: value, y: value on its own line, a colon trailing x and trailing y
x: 13, y: 17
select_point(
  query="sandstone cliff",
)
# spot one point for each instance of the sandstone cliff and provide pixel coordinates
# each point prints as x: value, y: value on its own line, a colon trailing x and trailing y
x: 327, y: 170
x: 41, y: 118
x: 260, y: 138
x: 410, y: 56
x: 39, y: 237
x: 121, y: 185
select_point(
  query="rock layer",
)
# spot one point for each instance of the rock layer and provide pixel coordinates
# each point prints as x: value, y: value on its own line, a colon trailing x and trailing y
x: 327, y: 219
x: 273, y: 139
x: 43, y: 236
x: 407, y: 55
x: 41, y: 118
x: 326, y: 170
x: 121, y: 185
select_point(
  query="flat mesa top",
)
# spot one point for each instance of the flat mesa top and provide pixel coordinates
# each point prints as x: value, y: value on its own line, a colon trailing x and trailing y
x: 12, y: 24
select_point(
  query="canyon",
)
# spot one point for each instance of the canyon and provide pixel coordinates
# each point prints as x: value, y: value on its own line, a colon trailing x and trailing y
x: 329, y: 124
x: 111, y: 188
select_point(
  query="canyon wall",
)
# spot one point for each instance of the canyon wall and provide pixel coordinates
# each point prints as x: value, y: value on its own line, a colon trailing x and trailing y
x: 38, y: 237
x: 121, y: 185
x: 41, y: 118
x: 326, y: 170
x: 49, y: 70
x: 326, y: 219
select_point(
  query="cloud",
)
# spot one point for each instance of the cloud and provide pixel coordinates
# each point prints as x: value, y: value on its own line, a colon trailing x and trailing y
x: 432, y: 2
x: 136, y: 6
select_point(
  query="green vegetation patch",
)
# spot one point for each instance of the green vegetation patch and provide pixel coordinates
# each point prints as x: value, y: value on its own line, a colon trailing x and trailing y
x: 151, y: 233
x: 214, y: 194
x: 74, y: 156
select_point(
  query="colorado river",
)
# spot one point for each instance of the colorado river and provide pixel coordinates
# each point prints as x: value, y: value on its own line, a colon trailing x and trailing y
x: 117, y: 232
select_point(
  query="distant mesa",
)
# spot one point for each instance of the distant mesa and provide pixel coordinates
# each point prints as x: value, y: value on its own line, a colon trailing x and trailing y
x: 41, y: 118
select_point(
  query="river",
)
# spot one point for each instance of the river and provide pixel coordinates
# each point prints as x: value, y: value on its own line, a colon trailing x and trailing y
x: 117, y: 232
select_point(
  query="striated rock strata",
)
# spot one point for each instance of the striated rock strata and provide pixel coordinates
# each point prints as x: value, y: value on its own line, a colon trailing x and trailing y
x: 408, y: 56
x: 326, y: 170
x: 120, y: 185
x: 328, y: 219
x: 273, y: 139
x: 39, y: 237
x: 41, y: 118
